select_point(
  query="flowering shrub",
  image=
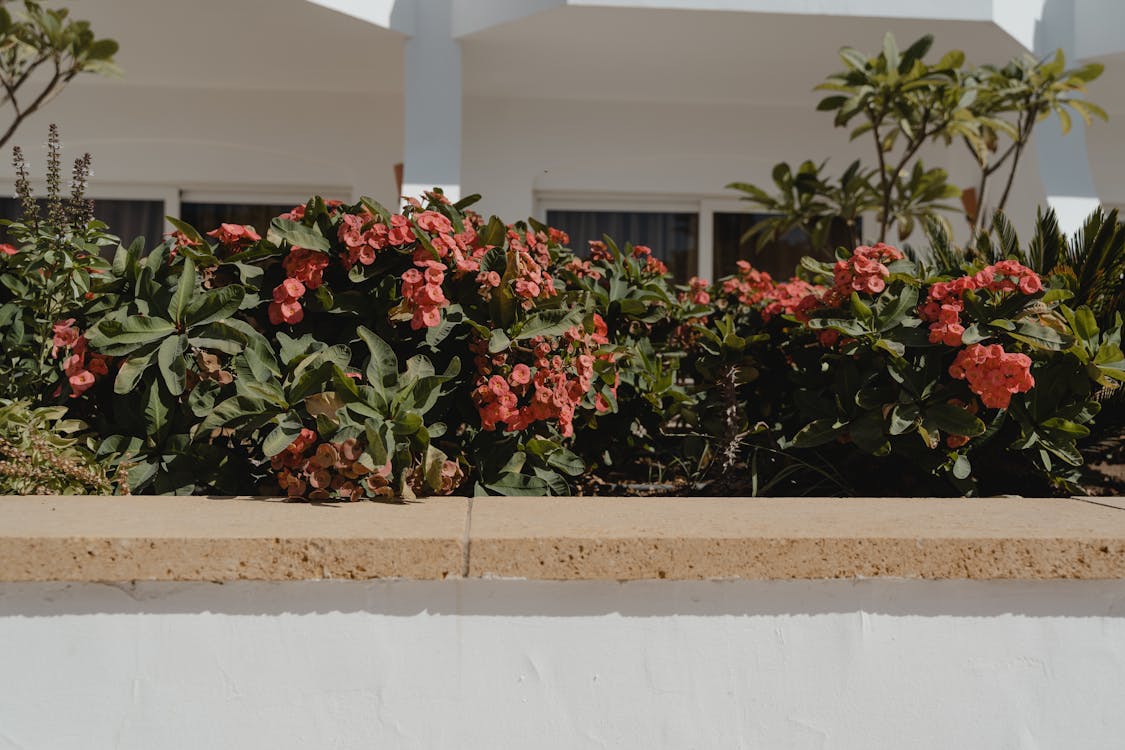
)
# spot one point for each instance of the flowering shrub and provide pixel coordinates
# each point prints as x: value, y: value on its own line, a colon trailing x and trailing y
x: 346, y: 352
x: 418, y: 351
x: 937, y: 370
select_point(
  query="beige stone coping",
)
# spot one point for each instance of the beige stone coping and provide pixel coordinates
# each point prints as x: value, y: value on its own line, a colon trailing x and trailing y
x: 222, y: 539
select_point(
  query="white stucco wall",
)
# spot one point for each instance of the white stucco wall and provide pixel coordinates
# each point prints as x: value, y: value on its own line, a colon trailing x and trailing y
x: 249, y: 142
x: 468, y: 664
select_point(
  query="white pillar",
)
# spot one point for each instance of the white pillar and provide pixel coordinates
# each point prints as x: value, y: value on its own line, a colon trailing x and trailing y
x: 1063, y: 162
x: 432, y: 149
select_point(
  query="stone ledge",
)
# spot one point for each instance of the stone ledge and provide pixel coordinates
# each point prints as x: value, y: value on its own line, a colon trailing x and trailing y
x: 223, y: 539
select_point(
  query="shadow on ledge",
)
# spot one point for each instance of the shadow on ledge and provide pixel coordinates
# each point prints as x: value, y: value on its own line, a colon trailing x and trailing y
x: 518, y: 598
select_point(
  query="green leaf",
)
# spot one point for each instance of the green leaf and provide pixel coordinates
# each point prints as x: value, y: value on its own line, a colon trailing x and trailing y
x: 566, y: 462
x: 1064, y: 427
x: 282, y: 436
x: 953, y: 420
x: 498, y: 341
x: 171, y: 361
x: 903, y: 418
x: 132, y: 369
x: 214, y: 305
x: 184, y: 292
x: 818, y: 432
x: 382, y: 367
x: 513, y: 484
x: 962, y: 468
x: 868, y: 435
x: 297, y: 235
x: 550, y: 323
x: 1041, y: 336
x: 156, y: 408
x: 117, y: 339
x: 219, y: 336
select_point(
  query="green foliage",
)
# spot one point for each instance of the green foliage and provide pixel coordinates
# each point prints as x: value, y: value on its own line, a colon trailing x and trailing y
x: 45, y: 277
x: 39, y: 456
x: 355, y: 353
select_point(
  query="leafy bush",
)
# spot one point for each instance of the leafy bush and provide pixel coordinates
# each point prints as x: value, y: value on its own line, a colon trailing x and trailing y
x: 937, y: 370
x: 348, y: 352
x: 38, y: 456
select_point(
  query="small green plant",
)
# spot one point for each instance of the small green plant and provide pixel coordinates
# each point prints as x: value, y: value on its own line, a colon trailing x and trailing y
x: 47, y: 278
x: 41, y: 455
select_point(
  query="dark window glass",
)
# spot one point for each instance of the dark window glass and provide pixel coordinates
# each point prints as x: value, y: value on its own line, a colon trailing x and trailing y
x: 207, y: 216
x: 128, y: 219
x: 673, y: 237
x: 779, y: 258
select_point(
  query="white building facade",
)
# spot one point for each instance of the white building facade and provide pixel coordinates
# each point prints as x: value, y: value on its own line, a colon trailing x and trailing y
x: 557, y: 109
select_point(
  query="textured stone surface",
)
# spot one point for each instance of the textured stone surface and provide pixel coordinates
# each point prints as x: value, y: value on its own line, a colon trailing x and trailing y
x: 778, y: 538
x: 220, y: 539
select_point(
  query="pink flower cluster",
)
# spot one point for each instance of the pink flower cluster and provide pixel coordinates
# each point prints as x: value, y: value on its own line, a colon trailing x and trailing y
x: 331, y: 470
x: 993, y: 374
x: 297, y: 213
x: 363, y: 238
x: 758, y: 289
x: 81, y: 366
x: 423, y: 295
x: 305, y: 269
x: 286, y: 305
x: 945, y: 301
x: 653, y: 265
x: 235, y: 236
x: 518, y: 396
x: 306, y: 266
x: 528, y: 257
x: 865, y: 271
x: 698, y: 291
x: 583, y: 269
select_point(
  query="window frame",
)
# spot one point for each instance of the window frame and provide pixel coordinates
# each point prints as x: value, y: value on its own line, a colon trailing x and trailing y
x: 173, y: 196
x: 704, y: 206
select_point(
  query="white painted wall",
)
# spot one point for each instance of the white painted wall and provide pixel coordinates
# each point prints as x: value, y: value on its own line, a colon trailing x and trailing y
x: 487, y: 664
x: 232, y: 140
x: 564, y: 100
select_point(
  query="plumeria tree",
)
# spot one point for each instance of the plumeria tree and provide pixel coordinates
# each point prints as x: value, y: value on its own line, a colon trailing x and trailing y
x: 41, y: 51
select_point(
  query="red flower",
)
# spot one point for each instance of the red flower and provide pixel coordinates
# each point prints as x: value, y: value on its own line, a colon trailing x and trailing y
x: 235, y: 234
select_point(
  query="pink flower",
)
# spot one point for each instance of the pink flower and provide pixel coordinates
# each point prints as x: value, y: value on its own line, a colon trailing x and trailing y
x: 993, y: 374
x: 80, y: 382
x: 288, y: 290
x: 306, y: 266
x: 8, y: 249
x: 235, y: 234
x: 289, y: 312
x: 66, y: 335
x: 1030, y: 284
x: 434, y: 222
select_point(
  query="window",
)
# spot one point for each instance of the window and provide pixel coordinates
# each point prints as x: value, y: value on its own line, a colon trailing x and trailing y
x: 694, y: 237
x: 208, y: 216
x: 673, y: 236
x: 128, y: 219
x: 779, y: 258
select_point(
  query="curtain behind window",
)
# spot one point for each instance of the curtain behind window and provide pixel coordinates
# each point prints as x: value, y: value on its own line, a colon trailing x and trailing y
x: 673, y: 237
x: 128, y: 219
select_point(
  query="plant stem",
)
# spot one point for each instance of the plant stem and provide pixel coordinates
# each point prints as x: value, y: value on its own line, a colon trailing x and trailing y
x: 1028, y: 121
